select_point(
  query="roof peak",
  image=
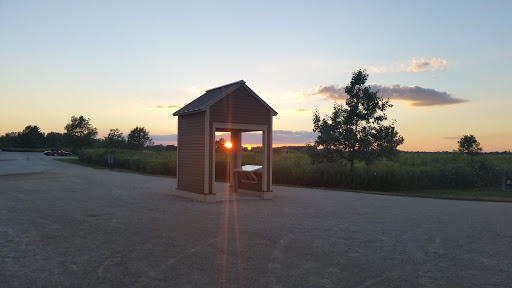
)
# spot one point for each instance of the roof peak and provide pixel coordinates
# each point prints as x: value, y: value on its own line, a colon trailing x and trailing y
x: 236, y: 82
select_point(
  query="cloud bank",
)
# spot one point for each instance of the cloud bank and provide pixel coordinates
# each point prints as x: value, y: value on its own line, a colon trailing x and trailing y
x: 417, y: 96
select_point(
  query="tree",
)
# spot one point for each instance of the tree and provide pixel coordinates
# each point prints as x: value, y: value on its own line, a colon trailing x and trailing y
x: 53, y: 139
x: 10, y: 140
x: 114, y: 139
x: 357, y: 130
x: 31, y: 137
x: 220, y: 145
x: 139, y: 138
x: 468, y: 145
x: 79, y: 133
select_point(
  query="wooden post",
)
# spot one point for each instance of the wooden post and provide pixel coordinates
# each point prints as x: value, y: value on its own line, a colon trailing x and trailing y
x: 110, y: 161
x: 503, y: 179
x: 235, y: 154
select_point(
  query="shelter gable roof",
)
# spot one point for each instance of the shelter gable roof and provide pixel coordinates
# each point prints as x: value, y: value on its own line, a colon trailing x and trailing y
x: 213, y: 95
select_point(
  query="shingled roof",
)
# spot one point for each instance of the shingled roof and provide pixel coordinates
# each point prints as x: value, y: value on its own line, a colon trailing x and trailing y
x: 213, y: 95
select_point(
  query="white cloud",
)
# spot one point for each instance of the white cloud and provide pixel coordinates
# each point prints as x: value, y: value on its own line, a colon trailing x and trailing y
x: 414, y: 65
x: 415, y: 95
x: 433, y: 64
x: 166, y: 106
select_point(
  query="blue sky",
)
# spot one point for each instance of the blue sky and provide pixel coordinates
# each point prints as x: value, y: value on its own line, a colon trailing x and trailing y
x: 118, y: 62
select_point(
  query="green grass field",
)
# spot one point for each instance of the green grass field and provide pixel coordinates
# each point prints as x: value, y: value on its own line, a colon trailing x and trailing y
x: 438, y: 175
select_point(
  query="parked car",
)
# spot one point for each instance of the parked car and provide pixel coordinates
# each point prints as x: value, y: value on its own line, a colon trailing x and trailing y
x: 61, y: 153
x: 54, y: 152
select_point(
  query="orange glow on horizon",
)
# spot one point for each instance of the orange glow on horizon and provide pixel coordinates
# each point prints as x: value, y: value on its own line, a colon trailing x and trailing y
x: 228, y: 145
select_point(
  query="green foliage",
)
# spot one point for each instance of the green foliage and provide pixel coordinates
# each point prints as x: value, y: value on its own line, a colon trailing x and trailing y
x: 469, y: 145
x: 114, y: 139
x: 10, y: 149
x: 357, y: 130
x: 159, y: 163
x: 31, y: 137
x: 219, y: 145
x: 138, y: 138
x: 252, y: 157
x: 160, y: 148
x: 221, y: 167
x: 53, y: 140
x: 10, y: 140
x: 79, y: 133
x: 406, y: 173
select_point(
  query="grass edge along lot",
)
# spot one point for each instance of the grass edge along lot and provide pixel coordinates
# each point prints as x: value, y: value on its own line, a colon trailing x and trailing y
x: 433, y: 175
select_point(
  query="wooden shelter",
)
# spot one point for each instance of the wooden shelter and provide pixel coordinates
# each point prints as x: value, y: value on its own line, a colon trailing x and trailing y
x: 233, y: 108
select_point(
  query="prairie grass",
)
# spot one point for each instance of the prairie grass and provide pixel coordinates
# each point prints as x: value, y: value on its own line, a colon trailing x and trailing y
x: 409, y: 173
x: 159, y: 163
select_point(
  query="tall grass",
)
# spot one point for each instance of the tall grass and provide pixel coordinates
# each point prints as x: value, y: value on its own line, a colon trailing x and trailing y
x: 407, y: 172
x: 159, y: 163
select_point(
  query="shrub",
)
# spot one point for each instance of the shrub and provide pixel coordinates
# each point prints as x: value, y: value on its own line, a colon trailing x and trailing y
x: 160, y: 163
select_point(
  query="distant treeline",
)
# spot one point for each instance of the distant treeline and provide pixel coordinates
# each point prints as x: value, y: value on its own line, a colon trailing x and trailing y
x: 32, y: 139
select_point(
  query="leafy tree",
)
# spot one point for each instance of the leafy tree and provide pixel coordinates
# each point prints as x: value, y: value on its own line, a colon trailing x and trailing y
x: 31, y: 137
x: 357, y: 130
x: 10, y: 140
x: 79, y: 133
x: 114, y: 139
x: 139, y: 138
x: 53, y: 139
x: 219, y: 145
x: 469, y: 145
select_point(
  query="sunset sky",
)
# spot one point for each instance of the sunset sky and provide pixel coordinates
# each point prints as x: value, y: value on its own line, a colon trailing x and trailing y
x: 445, y: 65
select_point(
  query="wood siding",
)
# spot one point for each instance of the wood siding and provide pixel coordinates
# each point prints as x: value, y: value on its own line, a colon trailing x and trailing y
x: 241, y: 107
x: 191, y: 150
x: 211, y: 151
x: 269, y: 160
x: 238, y: 107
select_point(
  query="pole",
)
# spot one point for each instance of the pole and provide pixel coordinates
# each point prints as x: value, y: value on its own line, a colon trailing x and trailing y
x: 503, y: 181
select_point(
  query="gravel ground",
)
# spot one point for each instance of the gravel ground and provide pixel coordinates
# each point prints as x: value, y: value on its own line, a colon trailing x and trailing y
x: 64, y: 225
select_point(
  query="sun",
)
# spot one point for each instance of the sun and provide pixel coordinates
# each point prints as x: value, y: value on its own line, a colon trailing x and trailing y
x: 228, y: 145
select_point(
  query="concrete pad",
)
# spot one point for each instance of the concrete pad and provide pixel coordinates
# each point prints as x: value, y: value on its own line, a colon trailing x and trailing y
x: 73, y: 226
x: 200, y: 197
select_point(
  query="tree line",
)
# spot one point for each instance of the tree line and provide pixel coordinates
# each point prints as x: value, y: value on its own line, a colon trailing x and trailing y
x: 79, y: 134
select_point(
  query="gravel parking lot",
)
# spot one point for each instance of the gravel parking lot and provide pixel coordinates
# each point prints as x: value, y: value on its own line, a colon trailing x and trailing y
x: 64, y: 225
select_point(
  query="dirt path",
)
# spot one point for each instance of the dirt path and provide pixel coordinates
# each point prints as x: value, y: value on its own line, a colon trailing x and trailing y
x: 66, y: 225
